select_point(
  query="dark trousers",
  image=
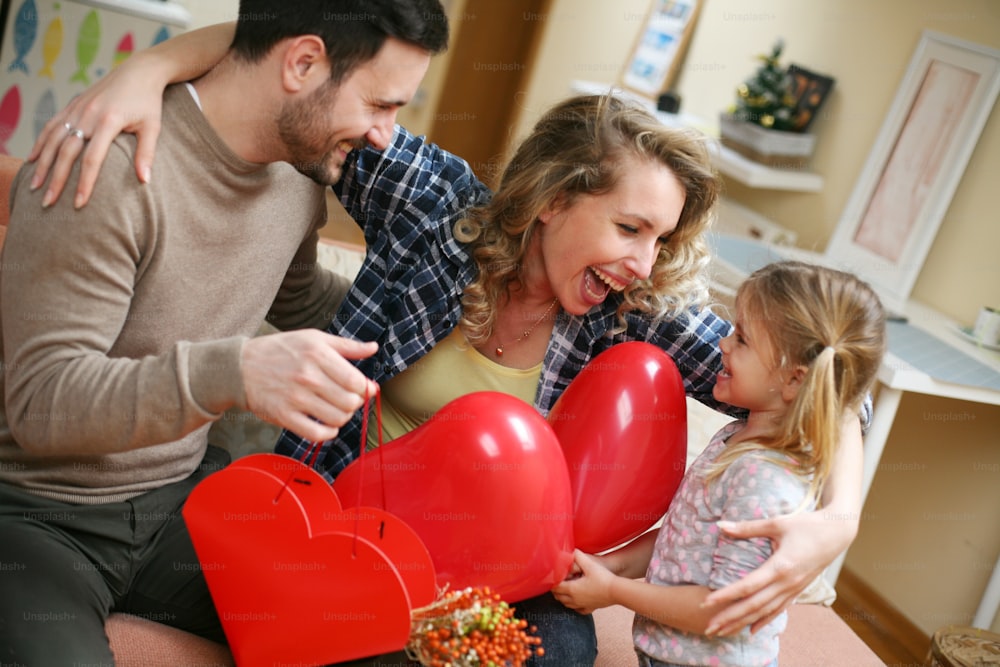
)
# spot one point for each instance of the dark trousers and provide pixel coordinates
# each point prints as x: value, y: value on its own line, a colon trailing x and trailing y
x: 64, y: 568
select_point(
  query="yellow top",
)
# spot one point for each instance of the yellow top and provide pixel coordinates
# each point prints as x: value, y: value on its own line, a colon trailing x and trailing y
x: 452, y: 369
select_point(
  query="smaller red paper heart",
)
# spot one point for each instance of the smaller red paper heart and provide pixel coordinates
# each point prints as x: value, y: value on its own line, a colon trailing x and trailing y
x: 295, y: 577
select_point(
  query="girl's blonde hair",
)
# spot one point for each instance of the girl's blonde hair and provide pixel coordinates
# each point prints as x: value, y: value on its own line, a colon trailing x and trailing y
x: 832, y: 323
x: 582, y: 146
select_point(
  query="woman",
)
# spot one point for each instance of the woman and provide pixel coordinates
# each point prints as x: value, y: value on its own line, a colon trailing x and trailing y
x: 594, y: 237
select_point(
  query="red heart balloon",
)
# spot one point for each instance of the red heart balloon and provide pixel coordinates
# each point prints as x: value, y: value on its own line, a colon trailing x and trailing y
x: 294, y: 576
x: 483, y: 483
x: 622, y: 423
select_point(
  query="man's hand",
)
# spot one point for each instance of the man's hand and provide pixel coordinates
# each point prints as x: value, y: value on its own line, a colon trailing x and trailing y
x: 294, y: 378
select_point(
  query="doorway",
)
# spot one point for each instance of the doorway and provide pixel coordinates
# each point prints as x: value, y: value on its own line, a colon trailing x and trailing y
x: 488, y: 70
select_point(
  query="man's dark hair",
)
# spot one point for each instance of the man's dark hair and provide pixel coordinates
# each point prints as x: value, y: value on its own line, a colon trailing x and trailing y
x: 353, y: 30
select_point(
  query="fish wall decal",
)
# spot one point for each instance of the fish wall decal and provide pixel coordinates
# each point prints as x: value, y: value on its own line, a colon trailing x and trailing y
x: 161, y: 35
x: 124, y: 49
x: 44, y: 110
x: 51, y: 47
x: 87, y: 44
x: 10, y: 115
x: 25, y: 32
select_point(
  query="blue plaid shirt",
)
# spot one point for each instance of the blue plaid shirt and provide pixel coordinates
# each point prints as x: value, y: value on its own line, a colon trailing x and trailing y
x: 407, y: 293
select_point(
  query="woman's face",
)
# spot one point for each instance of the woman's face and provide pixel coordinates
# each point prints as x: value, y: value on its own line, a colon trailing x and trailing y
x: 602, y: 243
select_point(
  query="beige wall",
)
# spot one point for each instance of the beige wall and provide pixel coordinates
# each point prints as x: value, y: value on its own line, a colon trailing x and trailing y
x: 931, y: 528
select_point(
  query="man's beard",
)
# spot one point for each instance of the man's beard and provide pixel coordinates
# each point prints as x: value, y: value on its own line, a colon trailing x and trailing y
x: 299, y: 128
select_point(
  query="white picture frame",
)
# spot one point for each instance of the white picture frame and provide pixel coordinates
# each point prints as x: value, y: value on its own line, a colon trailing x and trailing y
x: 656, y: 56
x: 905, y: 187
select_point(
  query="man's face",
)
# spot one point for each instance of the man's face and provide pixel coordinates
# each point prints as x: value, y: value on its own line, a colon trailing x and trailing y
x: 321, y: 128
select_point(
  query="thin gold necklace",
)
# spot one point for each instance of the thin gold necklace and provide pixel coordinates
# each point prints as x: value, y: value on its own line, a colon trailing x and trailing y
x: 527, y: 332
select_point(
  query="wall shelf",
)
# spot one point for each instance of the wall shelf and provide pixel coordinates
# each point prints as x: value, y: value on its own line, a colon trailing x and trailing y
x: 727, y: 161
x: 755, y: 175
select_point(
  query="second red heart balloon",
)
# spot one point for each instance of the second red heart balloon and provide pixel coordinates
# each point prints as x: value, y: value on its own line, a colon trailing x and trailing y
x: 622, y: 423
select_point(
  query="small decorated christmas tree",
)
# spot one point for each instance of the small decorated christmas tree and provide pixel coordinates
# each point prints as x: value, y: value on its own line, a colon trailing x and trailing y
x: 766, y: 99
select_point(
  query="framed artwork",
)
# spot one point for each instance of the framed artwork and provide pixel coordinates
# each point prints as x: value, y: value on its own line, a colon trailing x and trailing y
x: 810, y: 90
x: 657, y: 55
x: 916, y: 163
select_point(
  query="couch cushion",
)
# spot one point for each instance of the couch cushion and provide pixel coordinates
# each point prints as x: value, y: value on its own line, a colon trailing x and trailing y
x: 144, y: 643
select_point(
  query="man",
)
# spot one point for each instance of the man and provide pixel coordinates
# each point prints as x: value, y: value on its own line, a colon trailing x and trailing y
x: 127, y: 324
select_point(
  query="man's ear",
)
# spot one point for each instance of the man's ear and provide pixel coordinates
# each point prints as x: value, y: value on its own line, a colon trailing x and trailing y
x: 793, y: 382
x: 304, y: 65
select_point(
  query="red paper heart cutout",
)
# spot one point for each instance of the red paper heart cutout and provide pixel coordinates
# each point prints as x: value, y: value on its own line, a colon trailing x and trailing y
x: 297, y: 579
x: 484, y: 485
x: 622, y: 423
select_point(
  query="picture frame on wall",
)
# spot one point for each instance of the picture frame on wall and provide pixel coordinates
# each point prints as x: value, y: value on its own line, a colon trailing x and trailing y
x: 657, y: 55
x: 810, y: 90
x: 906, y: 185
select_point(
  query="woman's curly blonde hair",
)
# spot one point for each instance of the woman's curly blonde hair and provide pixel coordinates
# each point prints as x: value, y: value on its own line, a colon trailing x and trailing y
x: 581, y: 147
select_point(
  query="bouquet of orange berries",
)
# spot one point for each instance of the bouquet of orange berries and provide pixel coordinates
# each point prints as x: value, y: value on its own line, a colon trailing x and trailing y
x: 470, y: 628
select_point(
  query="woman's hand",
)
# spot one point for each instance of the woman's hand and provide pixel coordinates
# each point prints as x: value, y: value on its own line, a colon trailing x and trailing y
x: 127, y: 99
x: 804, y: 545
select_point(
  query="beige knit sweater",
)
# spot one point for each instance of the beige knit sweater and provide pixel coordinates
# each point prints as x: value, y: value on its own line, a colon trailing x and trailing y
x: 123, y: 322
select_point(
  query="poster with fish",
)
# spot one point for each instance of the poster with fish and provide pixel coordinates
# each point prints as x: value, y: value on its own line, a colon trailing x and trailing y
x: 53, y: 49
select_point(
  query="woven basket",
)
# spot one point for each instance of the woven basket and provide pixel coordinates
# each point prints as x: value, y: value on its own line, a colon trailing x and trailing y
x: 959, y: 646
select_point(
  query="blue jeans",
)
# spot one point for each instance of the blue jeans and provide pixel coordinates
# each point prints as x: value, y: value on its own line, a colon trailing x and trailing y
x: 569, y: 638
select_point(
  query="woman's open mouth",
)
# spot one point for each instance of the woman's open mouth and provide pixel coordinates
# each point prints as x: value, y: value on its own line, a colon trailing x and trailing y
x: 598, y: 284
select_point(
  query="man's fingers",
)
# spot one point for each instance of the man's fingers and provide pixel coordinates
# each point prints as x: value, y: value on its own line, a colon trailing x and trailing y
x: 309, y: 429
x: 336, y: 409
x: 353, y: 349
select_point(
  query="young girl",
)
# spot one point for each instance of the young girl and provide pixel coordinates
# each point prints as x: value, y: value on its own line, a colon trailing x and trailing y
x: 807, y: 345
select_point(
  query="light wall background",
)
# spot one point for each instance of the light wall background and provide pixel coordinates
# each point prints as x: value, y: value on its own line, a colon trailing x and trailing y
x: 931, y: 527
